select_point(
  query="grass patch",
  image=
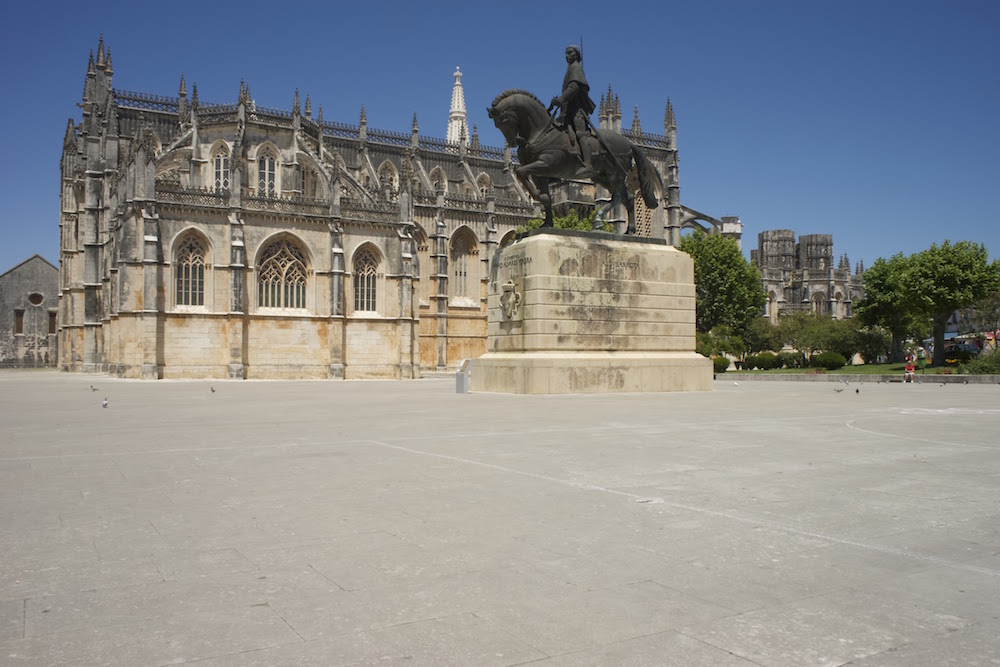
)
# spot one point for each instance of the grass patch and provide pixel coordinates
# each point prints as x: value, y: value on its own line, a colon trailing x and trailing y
x: 864, y: 369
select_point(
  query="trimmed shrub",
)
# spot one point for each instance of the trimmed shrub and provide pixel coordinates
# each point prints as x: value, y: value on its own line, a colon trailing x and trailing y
x: 750, y: 362
x: 792, y: 359
x: 986, y: 364
x: 831, y: 361
x: 767, y: 361
x: 720, y: 364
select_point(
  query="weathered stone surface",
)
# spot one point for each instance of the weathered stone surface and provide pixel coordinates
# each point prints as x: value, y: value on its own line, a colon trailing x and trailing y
x: 580, y: 313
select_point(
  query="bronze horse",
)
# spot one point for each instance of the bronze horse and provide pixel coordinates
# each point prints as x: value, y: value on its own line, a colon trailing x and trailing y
x: 546, y: 155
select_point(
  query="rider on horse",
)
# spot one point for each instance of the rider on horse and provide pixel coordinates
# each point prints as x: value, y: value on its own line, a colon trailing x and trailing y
x: 575, y: 107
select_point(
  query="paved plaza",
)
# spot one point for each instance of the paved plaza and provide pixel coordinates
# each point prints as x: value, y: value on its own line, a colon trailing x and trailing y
x: 400, y: 523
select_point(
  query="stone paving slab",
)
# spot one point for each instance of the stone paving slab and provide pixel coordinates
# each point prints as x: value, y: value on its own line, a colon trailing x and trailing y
x: 368, y: 522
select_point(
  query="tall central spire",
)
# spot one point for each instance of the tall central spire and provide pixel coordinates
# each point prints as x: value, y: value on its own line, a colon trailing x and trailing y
x: 458, y: 130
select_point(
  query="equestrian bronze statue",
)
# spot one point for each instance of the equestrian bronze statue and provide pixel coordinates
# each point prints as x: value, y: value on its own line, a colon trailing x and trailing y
x: 569, y: 147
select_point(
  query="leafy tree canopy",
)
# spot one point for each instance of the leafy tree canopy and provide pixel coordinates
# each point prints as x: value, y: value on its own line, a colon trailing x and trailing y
x: 727, y: 287
x: 947, y: 277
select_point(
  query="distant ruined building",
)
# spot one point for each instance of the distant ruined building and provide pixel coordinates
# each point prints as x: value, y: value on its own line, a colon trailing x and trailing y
x: 801, y: 276
x: 232, y: 240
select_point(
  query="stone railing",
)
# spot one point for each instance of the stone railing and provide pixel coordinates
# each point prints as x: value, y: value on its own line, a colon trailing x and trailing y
x: 173, y: 193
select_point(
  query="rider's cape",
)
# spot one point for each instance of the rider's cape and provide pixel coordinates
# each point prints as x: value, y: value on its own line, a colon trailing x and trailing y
x: 574, y: 73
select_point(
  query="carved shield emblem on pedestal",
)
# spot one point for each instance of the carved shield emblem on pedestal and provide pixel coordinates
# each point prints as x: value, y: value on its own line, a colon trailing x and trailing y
x: 510, y: 301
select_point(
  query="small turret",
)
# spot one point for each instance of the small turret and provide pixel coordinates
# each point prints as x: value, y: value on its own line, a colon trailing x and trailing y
x: 309, y: 108
x: 182, y: 101
x: 296, y: 107
x: 414, y: 133
x: 670, y: 127
x: 636, y: 125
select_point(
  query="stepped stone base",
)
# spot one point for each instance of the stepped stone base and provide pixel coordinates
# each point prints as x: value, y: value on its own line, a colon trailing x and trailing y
x: 578, y: 312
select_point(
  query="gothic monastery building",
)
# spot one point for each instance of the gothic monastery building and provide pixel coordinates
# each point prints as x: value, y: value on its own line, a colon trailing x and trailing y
x: 228, y: 240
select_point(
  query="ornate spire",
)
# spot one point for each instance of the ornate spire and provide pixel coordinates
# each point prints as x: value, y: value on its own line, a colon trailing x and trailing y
x: 309, y: 107
x: 364, y: 118
x: 636, y: 126
x: 69, y: 140
x: 296, y: 108
x: 90, y: 64
x: 457, y: 129
x: 100, y: 52
x: 414, y: 127
x: 319, y: 120
x: 194, y: 96
x: 474, y: 142
x: 668, y: 116
x: 183, y: 89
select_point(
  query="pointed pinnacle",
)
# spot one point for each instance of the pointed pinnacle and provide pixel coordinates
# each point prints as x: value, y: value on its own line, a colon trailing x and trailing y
x: 414, y: 127
x: 100, y: 52
x: 90, y: 64
x: 364, y: 119
x: 183, y: 89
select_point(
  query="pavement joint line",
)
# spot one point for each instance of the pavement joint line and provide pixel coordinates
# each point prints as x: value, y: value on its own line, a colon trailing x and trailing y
x: 754, y: 521
x: 851, y: 425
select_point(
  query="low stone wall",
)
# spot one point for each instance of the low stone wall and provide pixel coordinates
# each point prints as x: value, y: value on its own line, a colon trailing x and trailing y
x: 932, y: 378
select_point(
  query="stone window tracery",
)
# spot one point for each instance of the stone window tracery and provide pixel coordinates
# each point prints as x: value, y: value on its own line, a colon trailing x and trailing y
x: 189, y: 272
x: 221, y: 170
x: 464, y: 262
x: 307, y: 181
x: 266, y: 174
x: 483, y: 183
x: 366, y: 280
x: 438, y: 180
x: 281, y: 277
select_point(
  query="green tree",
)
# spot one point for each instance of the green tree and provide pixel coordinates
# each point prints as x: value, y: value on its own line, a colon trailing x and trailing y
x: 727, y: 287
x: 802, y: 330
x: 982, y: 316
x: 948, y: 277
x: 873, y: 342
x: 887, y: 303
x: 840, y: 336
x: 571, y: 220
x: 761, y: 336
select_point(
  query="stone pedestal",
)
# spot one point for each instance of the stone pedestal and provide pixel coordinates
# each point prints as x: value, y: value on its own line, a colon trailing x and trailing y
x: 580, y: 312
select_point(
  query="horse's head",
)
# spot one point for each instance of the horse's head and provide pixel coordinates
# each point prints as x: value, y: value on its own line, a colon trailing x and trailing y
x: 518, y: 115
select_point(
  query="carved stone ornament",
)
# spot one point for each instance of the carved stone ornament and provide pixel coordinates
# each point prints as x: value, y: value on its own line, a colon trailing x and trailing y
x: 510, y: 300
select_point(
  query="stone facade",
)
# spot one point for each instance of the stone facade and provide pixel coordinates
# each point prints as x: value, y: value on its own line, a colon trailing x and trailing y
x: 29, y: 299
x: 800, y: 275
x: 232, y: 240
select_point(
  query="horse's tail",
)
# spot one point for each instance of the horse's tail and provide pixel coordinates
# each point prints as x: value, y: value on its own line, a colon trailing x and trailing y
x: 649, y: 178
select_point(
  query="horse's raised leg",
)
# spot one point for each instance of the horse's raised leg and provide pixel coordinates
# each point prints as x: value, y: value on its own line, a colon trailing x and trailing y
x: 539, y: 191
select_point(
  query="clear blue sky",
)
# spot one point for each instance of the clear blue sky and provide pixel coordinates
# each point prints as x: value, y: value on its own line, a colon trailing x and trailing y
x: 877, y: 122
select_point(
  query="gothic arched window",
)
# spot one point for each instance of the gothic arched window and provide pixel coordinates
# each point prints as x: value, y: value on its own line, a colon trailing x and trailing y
x: 464, y: 264
x: 281, y: 277
x: 267, y: 165
x: 483, y: 183
x: 221, y: 169
x: 189, y: 272
x: 366, y: 280
x: 438, y: 180
x: 307, y: 181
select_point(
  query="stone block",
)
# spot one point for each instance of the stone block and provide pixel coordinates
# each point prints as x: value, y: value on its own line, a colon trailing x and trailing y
x: 580, y: 312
